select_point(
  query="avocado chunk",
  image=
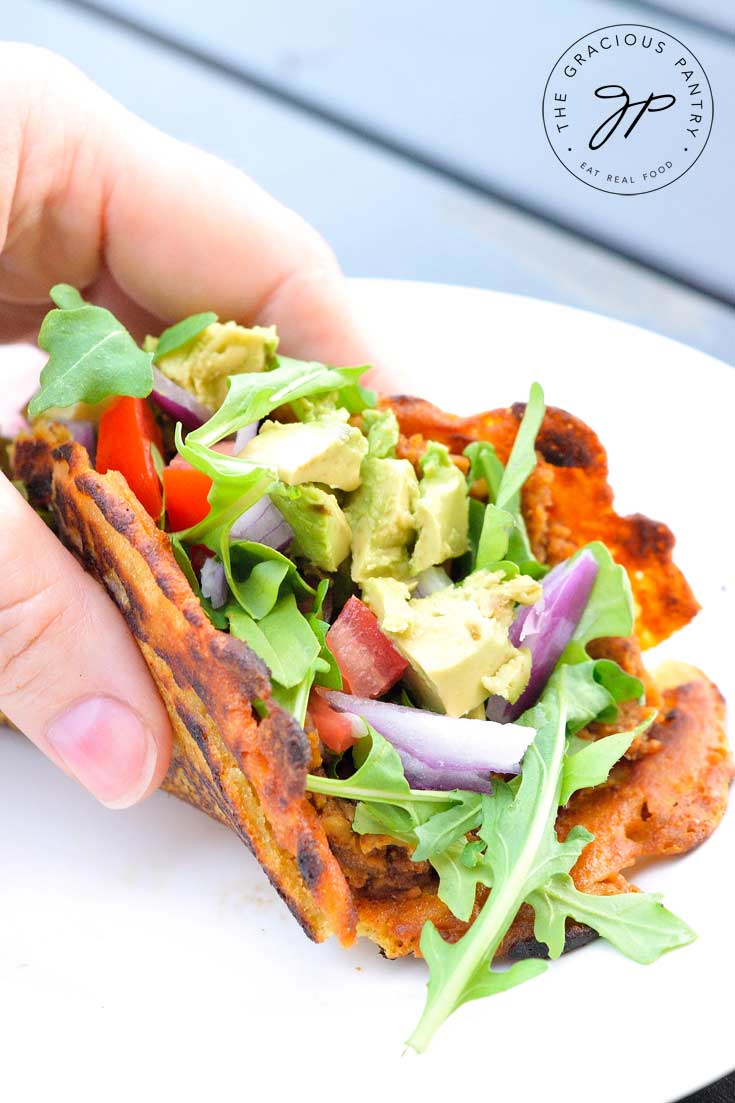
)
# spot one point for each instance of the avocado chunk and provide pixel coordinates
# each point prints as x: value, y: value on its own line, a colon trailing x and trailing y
x: 320, y: 527
x: 327, y: 451
x: 441, y: 512
x: 380, y: 513
x: 456, y: 640
x: 204, y: 364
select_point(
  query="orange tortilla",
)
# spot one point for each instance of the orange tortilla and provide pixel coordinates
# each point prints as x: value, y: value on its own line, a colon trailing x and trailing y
x: 249, y: 771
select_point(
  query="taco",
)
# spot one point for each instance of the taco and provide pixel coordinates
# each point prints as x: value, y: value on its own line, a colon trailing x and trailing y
x: 401, y: 650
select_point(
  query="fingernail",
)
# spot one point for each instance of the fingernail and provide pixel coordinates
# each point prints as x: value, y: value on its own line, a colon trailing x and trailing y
x: 108, y: 749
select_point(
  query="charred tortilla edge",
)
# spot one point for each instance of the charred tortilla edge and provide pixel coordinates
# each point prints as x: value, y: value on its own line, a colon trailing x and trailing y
x: 246, y: 771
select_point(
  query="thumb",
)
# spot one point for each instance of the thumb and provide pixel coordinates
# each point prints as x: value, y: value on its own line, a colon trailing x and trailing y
x: 71, y: 676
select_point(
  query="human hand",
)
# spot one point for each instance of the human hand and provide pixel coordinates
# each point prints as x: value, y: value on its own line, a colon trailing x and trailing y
x: 155, y: 230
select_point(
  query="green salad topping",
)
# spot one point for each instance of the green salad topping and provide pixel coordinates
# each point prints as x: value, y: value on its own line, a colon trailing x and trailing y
x: 375, y: 523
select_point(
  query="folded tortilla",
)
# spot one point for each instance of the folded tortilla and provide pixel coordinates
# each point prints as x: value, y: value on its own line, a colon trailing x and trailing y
x: 242, y: 759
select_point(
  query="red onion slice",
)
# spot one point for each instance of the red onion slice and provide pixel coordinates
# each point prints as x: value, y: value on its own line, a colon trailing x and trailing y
x: 442, y: 752
x: 263, y: 524
x: 546, y: 628
x: 214, y: 583
x: 177, y: 402
x: 421, y: 776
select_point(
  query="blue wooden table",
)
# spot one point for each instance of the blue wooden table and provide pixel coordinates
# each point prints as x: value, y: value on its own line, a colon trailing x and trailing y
x: 410, y: 134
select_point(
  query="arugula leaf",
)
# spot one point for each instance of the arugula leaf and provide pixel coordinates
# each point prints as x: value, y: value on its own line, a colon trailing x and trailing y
x: 473, y: 853
x: 379, y: 778
x: 245, y: 556
x: 524, y: 861
x: 66, y: 297
x: 494, y: 539
x: 466, y: 563
x: 594, y: 689
x: 609, y: 609
x: 296, y: 699
x: 184, y: 563
x: 521, y: 463
x: 522, y: 853
x: 292, y: 639
x: 432, y: 822
x: 457, y: 881
x: 245, y: 628
x: 91, y: 356
x: 591, y: 765
x: 517, y: 854
x: 256, y: 574
x: 488, y: 982
x: 522, y: 458
x: 503, y: 538
x: 254, y: 395
x: 441, y: 840
x: 520, y: 809
x: 292, y: 645
x: 283, y: 639
x: 352, y: 397
x: 355, y: 398
x: 331, y: 678
x: 519, y: 546
x: 259, y: 593
x: 186, y: 330
x: 217, y: 616
x: 636, y: 923
x: 484, y: 464
x: 385, y: 819
x: 158, y: 466
x: 445, y: 828
x: 620, y: 685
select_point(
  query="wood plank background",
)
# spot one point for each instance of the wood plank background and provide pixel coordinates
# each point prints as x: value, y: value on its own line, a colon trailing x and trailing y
x: 389, y: 127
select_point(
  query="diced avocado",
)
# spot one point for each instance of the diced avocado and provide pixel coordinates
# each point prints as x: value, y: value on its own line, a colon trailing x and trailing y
x: 441, y: 512
x: 203, y: 364
x: 380, y: 514
x: 320, y: 527
x: 323, y: 451
x: 456, y: 640
x: 512, y: 677
x: 318, y: 406
x: 382, y: 431
x: 389, y: 599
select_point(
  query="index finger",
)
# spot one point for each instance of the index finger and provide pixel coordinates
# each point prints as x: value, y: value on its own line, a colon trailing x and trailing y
x: 175, y: 229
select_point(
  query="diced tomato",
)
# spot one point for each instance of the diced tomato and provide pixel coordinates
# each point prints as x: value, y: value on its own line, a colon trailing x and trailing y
x: 333, y: 728
x: 186, y: 497
x: 126, y: 431
x: 368, y: 661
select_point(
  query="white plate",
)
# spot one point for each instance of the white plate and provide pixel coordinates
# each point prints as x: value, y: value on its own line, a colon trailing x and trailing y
x: 145, y: 952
